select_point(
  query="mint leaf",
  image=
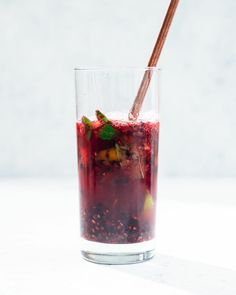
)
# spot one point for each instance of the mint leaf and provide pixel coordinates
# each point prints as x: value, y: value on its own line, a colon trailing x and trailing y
x: 107, y: 132
x: 101, y: 117
x: 86, y: 121
x: 88, y: 126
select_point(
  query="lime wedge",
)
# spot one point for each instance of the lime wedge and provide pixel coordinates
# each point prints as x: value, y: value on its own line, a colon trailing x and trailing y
x: 148, y: 202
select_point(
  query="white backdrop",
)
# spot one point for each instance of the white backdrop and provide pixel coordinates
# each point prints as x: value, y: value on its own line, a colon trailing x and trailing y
x: 42, y: 41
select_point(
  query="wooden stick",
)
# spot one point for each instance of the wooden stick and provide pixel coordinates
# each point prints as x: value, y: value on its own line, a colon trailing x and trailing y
x: 134, y: 112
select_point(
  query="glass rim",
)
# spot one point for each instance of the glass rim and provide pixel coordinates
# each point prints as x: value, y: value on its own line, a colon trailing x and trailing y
x: 117, y: 68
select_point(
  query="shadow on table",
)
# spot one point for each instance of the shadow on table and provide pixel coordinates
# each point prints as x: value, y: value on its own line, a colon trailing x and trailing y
x: 183, y: 274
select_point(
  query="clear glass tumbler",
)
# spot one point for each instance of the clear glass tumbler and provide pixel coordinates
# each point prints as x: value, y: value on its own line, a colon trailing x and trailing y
x: 117, y: 164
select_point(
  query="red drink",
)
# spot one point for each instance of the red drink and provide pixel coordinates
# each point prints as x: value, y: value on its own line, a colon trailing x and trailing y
x: 117, y: 164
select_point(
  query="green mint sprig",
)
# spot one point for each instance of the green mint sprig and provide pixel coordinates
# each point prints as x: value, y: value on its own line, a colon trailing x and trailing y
x: 107, y: 131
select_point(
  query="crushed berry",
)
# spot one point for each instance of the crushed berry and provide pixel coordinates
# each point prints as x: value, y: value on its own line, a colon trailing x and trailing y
x: 104, y: 228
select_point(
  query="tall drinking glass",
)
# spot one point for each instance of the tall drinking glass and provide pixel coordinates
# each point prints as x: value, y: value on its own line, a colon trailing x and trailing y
x: 117, y: 164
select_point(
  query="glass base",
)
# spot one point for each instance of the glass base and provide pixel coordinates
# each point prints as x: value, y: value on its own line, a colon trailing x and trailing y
x: 117, y: 258
x: 103, y: 253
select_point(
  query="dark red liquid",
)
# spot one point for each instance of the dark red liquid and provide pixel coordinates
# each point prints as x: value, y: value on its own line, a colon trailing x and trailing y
x: 118, y: 181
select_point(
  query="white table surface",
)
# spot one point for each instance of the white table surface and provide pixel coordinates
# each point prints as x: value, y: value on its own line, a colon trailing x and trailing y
x: 39, y: 242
